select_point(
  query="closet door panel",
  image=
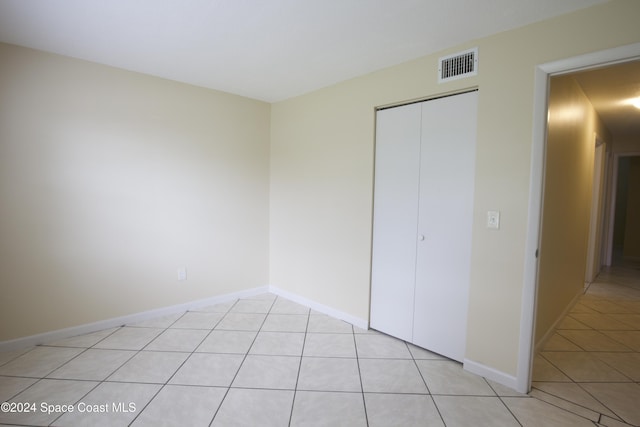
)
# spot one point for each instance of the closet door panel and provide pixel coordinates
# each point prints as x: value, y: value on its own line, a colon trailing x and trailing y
x: 395, y: 220
x: 447, y: 172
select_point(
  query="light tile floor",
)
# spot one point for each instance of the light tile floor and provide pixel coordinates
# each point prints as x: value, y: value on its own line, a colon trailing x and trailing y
x: 267, y: 361
x: 591, y: 364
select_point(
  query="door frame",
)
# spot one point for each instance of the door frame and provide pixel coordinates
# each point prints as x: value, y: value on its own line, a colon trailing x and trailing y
x: 536, y: 186
x: 598, y: 196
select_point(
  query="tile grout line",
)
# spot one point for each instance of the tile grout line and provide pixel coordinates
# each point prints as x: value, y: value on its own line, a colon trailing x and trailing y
x: 364, y: 401
x: 600, y: 414
x: 503, y: 402
x: 569, y: 411
x: 243, y: 359
x: 597, y: 303
x: 82, y: 352
x: 600, y: 402
x: 127, y: 361
x: 39, y: 379
x: 162, y: 386
x: 295, y: 391
x: 415, y: 362
x: 104, y: 380
x: 573, y: 381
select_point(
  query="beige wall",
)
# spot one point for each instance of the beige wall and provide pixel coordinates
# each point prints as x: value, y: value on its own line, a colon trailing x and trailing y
x: 322, y: 173
x: 111, y: 180
x: 569, y: 167
x: 632, y: 228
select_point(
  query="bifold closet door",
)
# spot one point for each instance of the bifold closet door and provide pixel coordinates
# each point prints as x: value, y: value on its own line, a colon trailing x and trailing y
x: 447, y: 172
x: 423, y: 208
x: 395, y: 219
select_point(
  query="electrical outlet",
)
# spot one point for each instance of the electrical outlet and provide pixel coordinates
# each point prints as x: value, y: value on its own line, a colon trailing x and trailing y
x: 493, y: 220
x: 182, y: 274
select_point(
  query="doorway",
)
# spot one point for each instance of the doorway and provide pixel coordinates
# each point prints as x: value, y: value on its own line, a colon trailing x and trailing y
x: 596, y: 216
x: 531, y: 306
x: 622, y: 245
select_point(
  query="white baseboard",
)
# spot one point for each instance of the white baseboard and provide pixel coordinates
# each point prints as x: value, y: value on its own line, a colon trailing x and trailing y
x: 492, y: 374
x: 355, y: 321
x: 59, y: 334
x: 540, y: 344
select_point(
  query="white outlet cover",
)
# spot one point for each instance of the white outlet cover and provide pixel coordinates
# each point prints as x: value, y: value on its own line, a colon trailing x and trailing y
x: 493, y: 220
x: 182, y: 274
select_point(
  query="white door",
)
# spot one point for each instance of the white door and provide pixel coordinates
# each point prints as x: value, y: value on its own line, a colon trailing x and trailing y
x: 423, y: 207
x: 447, y: 173
x: 395, y: 219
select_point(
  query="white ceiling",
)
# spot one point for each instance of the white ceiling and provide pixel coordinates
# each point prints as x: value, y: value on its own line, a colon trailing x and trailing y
x: 264, y: 49
x: 610, y: 90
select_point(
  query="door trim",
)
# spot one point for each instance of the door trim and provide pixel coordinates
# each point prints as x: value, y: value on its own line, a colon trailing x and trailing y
x: 598, y: 194
x: 536, y: 185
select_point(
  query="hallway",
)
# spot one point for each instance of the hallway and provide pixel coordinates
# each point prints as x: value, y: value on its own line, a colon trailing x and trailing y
x: 591, y: 364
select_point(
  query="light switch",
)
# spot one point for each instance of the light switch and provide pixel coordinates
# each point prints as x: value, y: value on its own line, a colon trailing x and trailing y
x: 493, y: 220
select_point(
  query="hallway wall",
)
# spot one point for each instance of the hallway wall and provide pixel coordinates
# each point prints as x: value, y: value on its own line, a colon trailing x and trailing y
x: 572, y: 126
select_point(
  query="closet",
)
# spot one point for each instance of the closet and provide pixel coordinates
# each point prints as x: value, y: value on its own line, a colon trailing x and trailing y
x: 423, y: 209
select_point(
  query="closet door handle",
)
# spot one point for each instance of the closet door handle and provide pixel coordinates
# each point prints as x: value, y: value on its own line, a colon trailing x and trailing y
x: 421, y: 237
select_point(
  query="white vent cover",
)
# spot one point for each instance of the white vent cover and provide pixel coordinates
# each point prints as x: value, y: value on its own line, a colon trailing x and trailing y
x: 458, y: 65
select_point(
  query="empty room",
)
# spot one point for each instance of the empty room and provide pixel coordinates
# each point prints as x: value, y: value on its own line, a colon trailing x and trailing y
x: 319, y: 213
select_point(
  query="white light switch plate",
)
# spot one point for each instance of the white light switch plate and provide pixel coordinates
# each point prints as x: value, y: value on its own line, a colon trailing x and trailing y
x: 493, y: 220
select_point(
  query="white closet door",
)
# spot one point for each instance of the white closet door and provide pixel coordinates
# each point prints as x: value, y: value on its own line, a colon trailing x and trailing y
x: 447, y: 169
x: 395, y: 220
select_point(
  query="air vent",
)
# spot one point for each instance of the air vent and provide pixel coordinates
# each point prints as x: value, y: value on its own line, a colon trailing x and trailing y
x: 457, y: 66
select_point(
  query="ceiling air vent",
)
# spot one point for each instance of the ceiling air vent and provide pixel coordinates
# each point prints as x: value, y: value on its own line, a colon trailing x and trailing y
x: 458, y: 65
